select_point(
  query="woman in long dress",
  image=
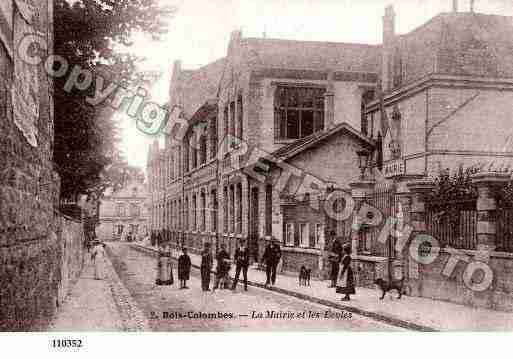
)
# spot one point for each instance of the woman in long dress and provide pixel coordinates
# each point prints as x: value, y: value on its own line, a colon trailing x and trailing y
x: 345, y: 283
x: 98, y: 256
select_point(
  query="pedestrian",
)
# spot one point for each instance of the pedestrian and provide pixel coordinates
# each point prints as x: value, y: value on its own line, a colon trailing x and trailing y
x: 345, y: 284
x: 335, y: 257
x: 241, y: 264
x: 223, y: 267
x: 98, y: 258
x: 271, y: 258
x: 184, y: 268
x: 206, y: 267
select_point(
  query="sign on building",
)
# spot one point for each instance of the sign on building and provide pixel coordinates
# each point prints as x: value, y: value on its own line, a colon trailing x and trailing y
x: 394, y: 168
x: 25, y: 89
x: 6, y: 13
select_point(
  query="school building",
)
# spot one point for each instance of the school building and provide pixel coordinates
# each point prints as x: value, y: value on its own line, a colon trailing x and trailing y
x: 276, y: 126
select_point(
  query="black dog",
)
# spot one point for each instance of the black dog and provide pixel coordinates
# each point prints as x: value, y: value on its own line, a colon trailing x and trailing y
x: 385, y: 286
x: 304, y: 276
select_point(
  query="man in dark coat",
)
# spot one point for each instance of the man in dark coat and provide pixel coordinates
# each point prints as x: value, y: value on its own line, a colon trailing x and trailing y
x: 184, y: 269
x: 206, y: 267
x: 335, y: 256
x: 241, y: 263
x: 223, y: 267
x: 271, y: 258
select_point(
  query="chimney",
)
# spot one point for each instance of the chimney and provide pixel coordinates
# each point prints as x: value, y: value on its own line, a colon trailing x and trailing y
x: 235, y: 38
x: 388, y: 47
x: 454, y: 5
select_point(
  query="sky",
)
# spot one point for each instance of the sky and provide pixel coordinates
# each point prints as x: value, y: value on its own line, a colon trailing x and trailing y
x: 200, y: 32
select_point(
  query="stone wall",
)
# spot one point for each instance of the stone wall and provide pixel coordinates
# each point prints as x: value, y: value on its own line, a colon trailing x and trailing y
x: 40, y: 252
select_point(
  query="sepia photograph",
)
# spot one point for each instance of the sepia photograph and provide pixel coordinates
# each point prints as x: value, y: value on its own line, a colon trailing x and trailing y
x: 329, y: 166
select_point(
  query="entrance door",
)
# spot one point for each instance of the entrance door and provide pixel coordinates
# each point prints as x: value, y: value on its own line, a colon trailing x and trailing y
x: 254, y: 223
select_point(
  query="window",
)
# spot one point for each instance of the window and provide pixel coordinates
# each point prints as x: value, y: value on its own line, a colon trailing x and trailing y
x: 304, y: 235
x: 194, y: 218
x: 119, y: 229
x: 186, y: 154
x: 121, y: 210
x: 203, y: 212
x: 225, y: 209
x: 134, y: 210
x: 232, y: 118
x: 213, y: 220
x: 240, y: 118
x: 213, y: 137
x: 289, y: 234
x: 226, y: 121
x: 299, y: 111
x: 202, y: 149
x: 319, y: 236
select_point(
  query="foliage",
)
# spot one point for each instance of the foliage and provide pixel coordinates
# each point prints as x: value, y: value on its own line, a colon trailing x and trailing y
x: 86, y: 32
x: 455, y: 187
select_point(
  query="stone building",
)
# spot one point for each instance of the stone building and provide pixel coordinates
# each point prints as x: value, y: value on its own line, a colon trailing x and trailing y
x: 124, y: 213
x: 40, y: 250
x: 437, y: 97
x: 264, y: 96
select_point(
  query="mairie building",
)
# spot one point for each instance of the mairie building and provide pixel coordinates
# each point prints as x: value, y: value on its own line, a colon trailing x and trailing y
x: 275, y: 127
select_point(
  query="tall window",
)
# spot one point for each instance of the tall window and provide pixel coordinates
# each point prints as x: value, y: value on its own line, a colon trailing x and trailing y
x: 304, y: 235
x: 238, y: 226
x: 232, y: 118
x: 121, y: 210
x: 194, y: 222
x: 240, y: 118
x: 203, y: 149
x: 298, y: 112
x: 213, y: 217
x: 289, y: 234
x: 203, y: 212
x: 226, y: 121
x: 186, y: 213
x: 134, y: 210
x: 186, y: 148
x: 225, y: 209
x: 213, y: 137
x: 319, y: 236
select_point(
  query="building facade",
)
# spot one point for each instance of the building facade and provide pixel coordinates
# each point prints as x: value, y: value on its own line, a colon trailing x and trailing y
x: 275, y: 127
x: 124, y: 213
x: 265, y: 95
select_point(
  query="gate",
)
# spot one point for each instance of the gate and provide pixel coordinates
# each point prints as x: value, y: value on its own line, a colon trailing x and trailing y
x: 384, y: 200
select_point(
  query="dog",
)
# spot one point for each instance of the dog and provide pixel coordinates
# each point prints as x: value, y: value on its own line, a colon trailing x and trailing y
x: 304, y: 276
x: 385, y: 287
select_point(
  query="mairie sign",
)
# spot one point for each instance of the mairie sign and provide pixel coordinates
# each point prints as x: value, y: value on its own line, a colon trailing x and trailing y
x: 394, y: 168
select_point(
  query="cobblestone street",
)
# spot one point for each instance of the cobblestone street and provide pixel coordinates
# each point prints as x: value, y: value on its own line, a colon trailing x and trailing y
x: 137, y: 272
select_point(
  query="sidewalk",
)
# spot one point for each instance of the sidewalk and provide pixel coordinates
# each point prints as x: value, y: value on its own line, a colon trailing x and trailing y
x: 99, y: 305
x: 409, y: 312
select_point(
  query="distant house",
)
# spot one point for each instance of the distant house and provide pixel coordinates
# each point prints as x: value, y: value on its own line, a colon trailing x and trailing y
x: 124, y: 213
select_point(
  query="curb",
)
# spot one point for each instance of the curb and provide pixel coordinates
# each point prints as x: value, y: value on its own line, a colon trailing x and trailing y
x: 328, y: 303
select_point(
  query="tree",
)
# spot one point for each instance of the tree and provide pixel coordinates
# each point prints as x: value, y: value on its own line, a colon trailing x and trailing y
x: 86, y: 32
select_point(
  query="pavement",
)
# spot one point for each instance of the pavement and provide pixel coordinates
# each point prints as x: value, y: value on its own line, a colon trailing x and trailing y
x: 128, y: 300
x: 99, y: 305
x: 413, y: 313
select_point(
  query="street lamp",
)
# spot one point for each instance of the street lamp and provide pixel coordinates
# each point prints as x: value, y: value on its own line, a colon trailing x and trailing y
x: 363, y: 162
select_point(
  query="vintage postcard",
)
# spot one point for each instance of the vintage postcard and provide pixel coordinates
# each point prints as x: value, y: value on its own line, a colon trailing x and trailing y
x: 255, y: 166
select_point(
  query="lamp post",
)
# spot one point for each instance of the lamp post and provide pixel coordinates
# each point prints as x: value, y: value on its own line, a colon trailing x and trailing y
x: 363, y: 162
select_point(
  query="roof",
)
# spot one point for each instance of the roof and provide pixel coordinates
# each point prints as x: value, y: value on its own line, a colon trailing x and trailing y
x: 313, y: 55
x: 196, y: 87
x: 461, y: 43
x: 305, y: 143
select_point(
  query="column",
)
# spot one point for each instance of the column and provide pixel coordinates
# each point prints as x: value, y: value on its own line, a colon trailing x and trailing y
x: 419, y: 190
x: 245, y: 207
x: 487, y: 184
